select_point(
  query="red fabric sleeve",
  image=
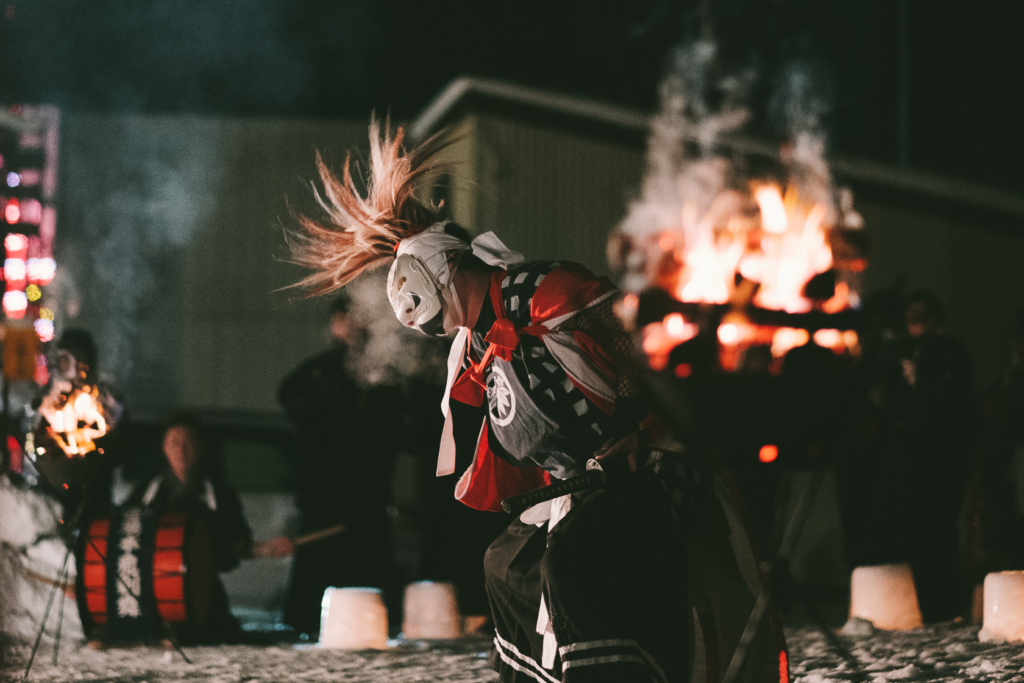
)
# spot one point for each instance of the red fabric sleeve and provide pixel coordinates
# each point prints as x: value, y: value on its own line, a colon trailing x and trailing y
x: 568, y: 288
x: 490, y: 480
x: 597, y: 353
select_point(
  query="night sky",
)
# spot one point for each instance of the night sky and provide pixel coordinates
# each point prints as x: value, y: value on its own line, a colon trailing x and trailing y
x: 342, y: 58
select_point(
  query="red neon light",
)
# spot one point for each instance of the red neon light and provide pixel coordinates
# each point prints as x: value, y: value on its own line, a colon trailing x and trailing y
x: 15, y: 304
x: 783, y: 667
x: 31, y: 211
x: 16, y: 245
x: 768, y: 453
x: 13, y: 212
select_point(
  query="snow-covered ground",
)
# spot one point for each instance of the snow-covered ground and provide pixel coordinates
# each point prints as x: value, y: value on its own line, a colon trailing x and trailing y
x: 464, y: 660
x: 947, y: 653
x: 31, y: 555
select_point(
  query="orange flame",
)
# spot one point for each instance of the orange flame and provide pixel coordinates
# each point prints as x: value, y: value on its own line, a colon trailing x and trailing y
x: 75, y: 419
x: 781, y: 250
x: 660, y: 338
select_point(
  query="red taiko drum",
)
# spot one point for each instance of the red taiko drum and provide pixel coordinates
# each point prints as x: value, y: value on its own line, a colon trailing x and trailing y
x: 139, y: 571
x: 92, y: 574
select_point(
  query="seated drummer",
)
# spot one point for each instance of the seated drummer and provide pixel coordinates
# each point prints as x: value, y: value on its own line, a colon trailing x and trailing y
x: 192, y: 481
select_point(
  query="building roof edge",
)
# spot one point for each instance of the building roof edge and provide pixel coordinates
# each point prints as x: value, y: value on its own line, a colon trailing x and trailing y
x: 938, y: 186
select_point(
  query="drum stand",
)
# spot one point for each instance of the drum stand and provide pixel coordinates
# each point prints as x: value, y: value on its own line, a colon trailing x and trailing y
x: 74, y: 525
x: 59, y: 584
x: 677, y: 407
x: 777, y: 575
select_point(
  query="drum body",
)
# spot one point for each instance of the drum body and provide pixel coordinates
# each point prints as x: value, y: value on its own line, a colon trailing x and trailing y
x: 139, y: 572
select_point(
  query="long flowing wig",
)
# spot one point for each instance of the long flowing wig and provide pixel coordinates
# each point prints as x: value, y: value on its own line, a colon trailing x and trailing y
x: 358, y: 233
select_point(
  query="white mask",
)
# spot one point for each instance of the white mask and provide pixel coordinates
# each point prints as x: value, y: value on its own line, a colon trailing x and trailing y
x: 415, y: 296
x: 421, y: 281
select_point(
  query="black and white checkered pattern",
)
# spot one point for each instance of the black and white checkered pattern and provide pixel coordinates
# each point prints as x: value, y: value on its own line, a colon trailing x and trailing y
x: 552, y: 389
x: 519, y: 286
x: 536, y: 369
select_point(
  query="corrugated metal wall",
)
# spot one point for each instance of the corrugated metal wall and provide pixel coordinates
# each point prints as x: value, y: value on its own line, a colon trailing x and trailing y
x: 168, y: 237
x: 169, y: 227
x: 544, y: 191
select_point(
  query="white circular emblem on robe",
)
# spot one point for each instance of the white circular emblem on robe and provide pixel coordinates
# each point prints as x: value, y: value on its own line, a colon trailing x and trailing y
x: 501, y: 400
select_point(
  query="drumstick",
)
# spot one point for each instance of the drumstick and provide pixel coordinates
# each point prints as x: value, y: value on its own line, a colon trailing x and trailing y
x: 317, y: 535
x: 68, y: 586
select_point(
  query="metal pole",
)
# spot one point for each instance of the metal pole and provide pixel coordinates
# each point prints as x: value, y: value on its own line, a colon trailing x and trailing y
x: 46, y: 615
x: 903, y: 106
x: 5, y: 452
x: 63, y: 581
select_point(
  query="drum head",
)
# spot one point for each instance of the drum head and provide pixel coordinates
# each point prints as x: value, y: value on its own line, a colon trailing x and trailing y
x: 200, y: 575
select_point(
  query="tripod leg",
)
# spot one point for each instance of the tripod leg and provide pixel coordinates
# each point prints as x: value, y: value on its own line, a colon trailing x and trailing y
x: 46, y: 615
x: 833, y: 640
x: 75, y: 520
x: 63, y: 581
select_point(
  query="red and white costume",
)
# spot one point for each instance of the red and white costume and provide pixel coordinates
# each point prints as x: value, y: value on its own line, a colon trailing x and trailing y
x: 651, y: 578
x: 611, y: 584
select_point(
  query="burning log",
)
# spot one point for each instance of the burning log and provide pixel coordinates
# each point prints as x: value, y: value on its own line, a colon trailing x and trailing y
x: 757, y: 268
x: 667, y: 322
x: 769, y: 257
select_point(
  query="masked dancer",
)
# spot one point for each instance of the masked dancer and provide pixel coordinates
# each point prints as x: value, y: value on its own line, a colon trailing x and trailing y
x: 590, y: 586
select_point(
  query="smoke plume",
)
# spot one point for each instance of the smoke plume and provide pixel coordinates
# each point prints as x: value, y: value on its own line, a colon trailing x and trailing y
x: 696, y: 149
x: 138, y: 190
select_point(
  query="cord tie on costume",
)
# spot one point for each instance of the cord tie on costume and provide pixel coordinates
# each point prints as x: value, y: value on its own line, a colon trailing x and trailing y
x: 503, y: 338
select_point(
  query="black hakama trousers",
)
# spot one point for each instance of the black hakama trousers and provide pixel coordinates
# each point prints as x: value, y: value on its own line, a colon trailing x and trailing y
x: 612, y: 574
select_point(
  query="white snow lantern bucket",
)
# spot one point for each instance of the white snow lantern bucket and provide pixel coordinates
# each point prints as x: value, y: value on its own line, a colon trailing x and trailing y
x: 1004, y: 607
x: 431, y: 611
x: 353, y: 619
x: 885, y: 596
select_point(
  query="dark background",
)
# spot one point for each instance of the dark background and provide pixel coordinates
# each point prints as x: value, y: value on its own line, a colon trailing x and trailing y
x: 341, y: 58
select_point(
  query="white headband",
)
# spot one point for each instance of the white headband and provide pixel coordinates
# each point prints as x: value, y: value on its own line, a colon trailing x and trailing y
x: 433, y: 245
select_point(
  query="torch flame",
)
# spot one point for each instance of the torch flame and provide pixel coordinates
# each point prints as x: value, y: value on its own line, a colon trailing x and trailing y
x: 75, y: 419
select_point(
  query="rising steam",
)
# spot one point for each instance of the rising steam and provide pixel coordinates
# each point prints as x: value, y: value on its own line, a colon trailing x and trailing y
x: 392, y: 353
